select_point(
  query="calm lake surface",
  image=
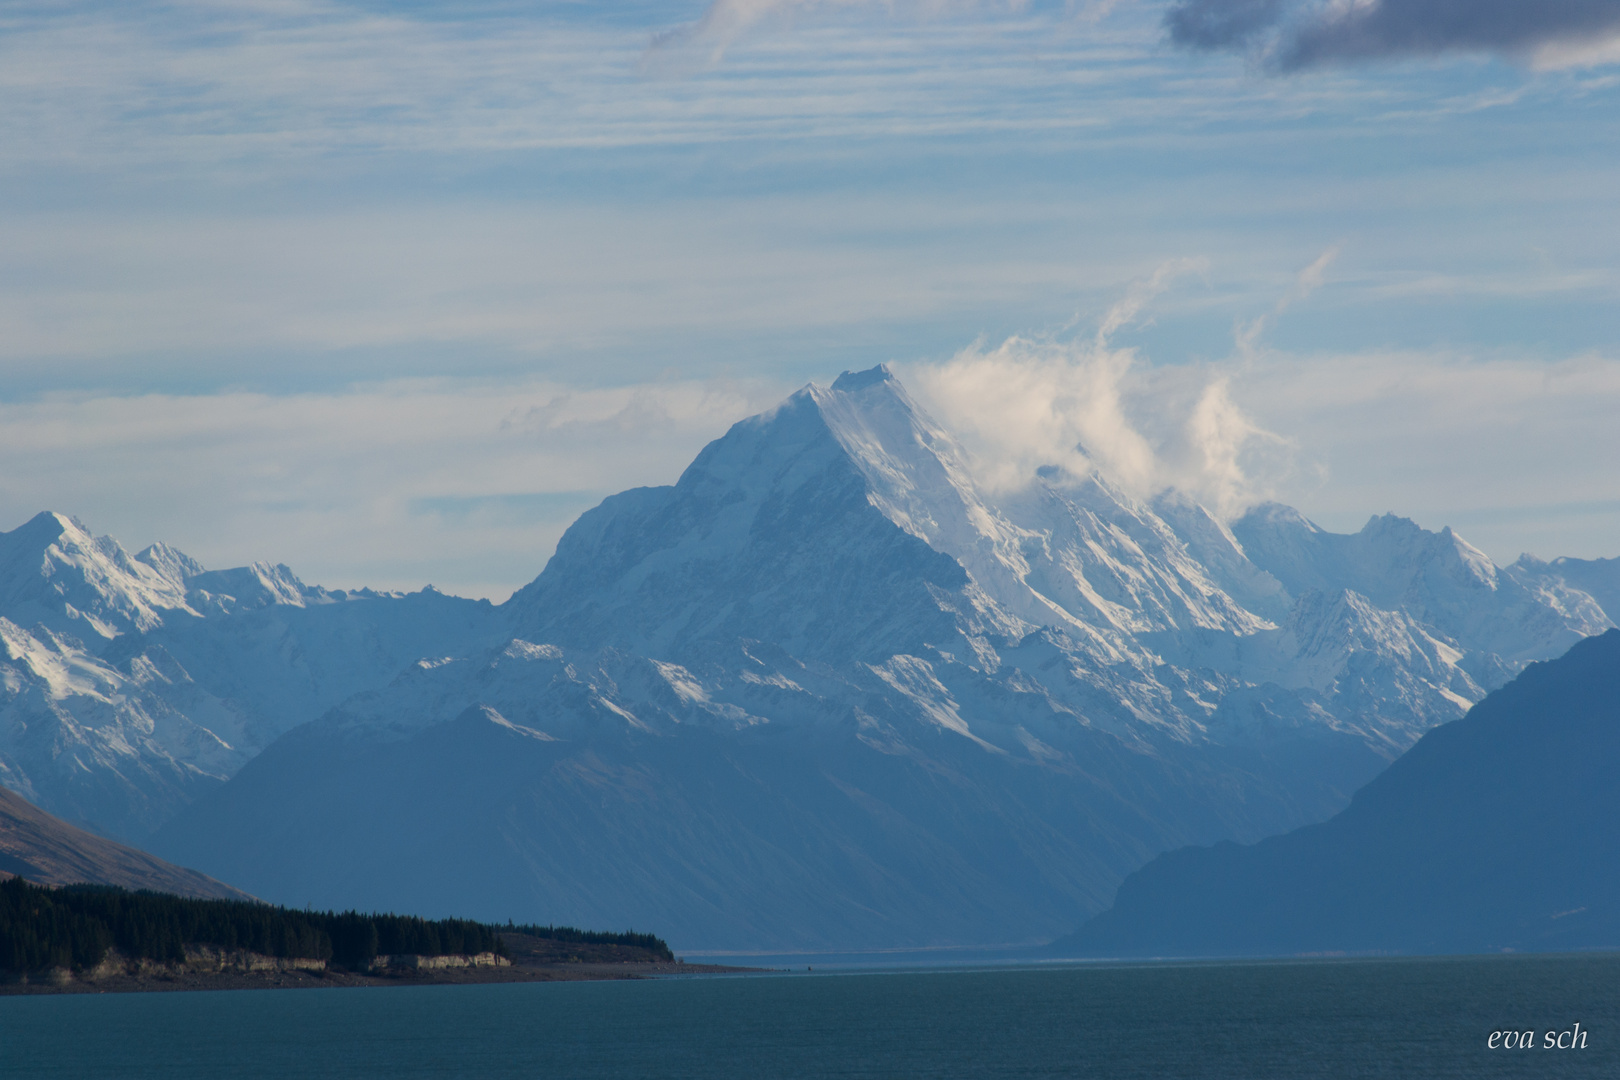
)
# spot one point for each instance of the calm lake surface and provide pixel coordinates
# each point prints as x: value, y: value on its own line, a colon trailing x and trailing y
x: 1356, y: 1018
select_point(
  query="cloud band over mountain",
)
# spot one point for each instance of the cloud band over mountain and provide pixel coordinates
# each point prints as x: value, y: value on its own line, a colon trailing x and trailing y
x: 1293, y: 35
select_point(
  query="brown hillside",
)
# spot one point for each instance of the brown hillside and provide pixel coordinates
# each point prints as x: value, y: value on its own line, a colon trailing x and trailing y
x: 48, y: 851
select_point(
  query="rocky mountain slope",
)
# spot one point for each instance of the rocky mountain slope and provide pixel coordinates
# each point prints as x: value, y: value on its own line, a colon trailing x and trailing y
x: 1497, y: 831
x: 820, y: 689
x: 48, y: 851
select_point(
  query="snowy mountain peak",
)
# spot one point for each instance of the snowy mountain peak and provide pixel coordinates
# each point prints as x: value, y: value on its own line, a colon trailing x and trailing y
x: 1276, y: 517
x: 851, y: 381
x: 1071, y: 551
x: 1391, y: 541
x: 1587, y: 591
x: 776, y: 532
x: 45, y: 528
x: 254, y: 586
x: 54, y: 572
x: 173, y: 564
x: 919, y: 477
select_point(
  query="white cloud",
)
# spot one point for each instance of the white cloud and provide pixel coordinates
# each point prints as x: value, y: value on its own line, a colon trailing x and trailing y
x: 1024, y: 404
x: 1141, y: 293
x: 1088, y: 405
x: 1515, y: 452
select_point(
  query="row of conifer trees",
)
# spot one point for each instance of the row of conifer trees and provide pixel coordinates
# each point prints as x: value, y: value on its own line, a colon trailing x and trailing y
x: 651, y: 942
x: 73, y: 927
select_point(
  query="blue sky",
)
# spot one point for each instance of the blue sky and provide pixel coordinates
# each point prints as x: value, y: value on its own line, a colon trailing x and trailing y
x: 391, y: 291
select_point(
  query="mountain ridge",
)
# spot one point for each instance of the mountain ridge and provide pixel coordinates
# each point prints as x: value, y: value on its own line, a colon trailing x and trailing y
x: 827, y: 573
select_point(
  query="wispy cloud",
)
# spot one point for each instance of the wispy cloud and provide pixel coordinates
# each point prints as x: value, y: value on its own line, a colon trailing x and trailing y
x: 1307, y: 281
x: 1087, y: 405
x: 706, y: 39
x: 212, y: 81
x: 1126, y: 310
x: 1513, y: 451
x: 1024, y: 404
x: 220, y: 81
x: 1293, y: 35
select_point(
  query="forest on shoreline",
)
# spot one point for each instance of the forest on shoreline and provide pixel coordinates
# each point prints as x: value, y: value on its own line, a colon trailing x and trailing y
x: 74, y: 926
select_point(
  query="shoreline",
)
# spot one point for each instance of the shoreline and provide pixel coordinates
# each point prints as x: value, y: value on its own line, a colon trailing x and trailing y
x: 529, y: 959
x: 166, y: 981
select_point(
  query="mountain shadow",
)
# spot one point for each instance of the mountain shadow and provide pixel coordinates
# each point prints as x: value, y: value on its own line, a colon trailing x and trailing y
x: 1499, y: 831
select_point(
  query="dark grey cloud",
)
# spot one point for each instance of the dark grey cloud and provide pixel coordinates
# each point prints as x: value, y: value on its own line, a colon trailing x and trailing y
x: 1288, y: 35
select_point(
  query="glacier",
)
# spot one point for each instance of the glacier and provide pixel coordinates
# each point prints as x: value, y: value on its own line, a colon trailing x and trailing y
x: 824, y: 691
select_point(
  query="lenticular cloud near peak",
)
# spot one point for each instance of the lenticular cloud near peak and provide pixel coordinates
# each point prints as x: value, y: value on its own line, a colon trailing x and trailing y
x: 1292, y: 35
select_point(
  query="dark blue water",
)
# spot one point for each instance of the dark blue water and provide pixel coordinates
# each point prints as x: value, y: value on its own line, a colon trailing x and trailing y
x: 1364, y: 1018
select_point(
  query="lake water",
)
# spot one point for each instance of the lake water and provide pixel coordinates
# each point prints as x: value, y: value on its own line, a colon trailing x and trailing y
x: 1356, y: 1018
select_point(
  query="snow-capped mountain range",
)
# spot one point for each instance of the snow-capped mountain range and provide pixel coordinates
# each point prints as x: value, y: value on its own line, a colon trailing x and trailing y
x: 824, y: 690
x: 130, y: 684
